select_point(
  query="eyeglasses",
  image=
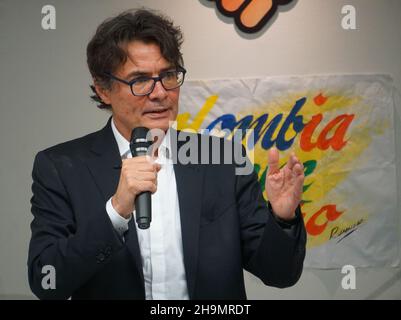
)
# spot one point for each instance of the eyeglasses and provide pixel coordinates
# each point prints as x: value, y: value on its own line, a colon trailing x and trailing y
x: 143, y: 86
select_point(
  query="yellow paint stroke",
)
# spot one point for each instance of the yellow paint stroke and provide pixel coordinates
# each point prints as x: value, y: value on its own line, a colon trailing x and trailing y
x: 183, y: 118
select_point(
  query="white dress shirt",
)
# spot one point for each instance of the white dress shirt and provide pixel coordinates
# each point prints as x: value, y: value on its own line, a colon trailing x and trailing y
x: 160, y: 244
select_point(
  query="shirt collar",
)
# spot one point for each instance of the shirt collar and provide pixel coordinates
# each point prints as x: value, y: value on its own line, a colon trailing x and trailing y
x: 124, y: 148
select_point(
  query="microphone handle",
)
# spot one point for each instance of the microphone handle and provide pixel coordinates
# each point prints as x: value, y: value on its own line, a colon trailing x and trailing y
x: 143, y: 206
x: 143, y: 210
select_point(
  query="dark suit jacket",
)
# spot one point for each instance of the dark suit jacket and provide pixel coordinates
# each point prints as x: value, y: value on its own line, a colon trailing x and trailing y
x: 226, y: 226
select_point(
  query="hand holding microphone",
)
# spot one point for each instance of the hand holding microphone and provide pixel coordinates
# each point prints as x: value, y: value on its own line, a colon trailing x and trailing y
x: 138, y: 179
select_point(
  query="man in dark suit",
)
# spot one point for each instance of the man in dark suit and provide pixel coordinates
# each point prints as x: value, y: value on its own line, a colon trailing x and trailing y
x: 208, y: 224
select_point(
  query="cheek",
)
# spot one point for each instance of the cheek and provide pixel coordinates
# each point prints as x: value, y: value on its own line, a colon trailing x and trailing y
x: 174, y: 107
x: 127, y: 105
x: 174, y: 98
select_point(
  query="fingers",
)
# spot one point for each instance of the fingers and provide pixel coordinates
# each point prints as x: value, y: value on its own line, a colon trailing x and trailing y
x: 142, y: 163
x: 148, y: 167
x: 298, y: 180
x: 148, y: 186
x: 139, y: 174
x: 273, y: 161
x: 294, y: 164
x: 298, y: 169
x: 145, y: 176
x: 291, y: 161
x: 139, y: 159
x: 295, y: 172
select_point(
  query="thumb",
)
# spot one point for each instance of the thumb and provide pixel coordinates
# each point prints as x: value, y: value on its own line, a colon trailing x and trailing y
x: 273, y: 160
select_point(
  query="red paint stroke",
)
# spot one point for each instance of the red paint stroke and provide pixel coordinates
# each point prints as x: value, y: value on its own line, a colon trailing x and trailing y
x: 320, y: 100
x: 329, y: 212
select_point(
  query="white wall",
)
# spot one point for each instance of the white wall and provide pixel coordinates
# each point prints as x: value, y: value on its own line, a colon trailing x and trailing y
x: 44, y: 97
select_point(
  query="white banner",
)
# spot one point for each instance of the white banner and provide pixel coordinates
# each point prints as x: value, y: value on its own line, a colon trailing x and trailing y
x: 342, y: 129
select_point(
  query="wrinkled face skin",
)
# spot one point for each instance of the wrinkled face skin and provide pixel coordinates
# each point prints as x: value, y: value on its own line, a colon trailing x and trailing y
x: 155, y: 110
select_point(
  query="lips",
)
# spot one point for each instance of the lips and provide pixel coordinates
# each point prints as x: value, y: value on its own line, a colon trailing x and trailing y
x: 157, y: 112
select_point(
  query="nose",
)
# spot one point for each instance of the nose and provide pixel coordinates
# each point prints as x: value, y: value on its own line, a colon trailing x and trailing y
x: 158, y: 93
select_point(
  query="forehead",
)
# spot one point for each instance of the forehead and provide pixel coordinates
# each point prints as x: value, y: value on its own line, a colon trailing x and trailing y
x: 144, y: 57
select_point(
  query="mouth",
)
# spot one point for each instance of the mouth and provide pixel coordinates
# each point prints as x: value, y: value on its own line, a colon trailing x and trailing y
x: 157, y: 113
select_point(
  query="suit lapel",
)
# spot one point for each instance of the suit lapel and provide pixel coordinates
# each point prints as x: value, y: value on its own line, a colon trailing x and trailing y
x: 189, y: 179
x: 105, y: 167
x: 105, y: 164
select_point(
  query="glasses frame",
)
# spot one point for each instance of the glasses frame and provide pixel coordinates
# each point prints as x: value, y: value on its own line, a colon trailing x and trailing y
x: 155, y: 79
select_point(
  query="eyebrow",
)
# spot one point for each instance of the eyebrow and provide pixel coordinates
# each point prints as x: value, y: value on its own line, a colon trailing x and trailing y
x: 139, y: 73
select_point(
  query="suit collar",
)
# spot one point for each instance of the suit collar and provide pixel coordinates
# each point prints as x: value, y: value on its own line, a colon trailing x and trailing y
x: 122, y: 143
x: 106, y: 162
x: 105, y: 144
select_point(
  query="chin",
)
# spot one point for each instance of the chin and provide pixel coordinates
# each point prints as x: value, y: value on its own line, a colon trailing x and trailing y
x: 158, y: 124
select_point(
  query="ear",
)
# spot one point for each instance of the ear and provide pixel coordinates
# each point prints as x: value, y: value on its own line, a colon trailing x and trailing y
x: 103, y: 93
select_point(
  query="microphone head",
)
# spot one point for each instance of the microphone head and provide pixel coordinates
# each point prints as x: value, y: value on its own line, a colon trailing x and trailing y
x: 139, y: 144
x: 139, y: 132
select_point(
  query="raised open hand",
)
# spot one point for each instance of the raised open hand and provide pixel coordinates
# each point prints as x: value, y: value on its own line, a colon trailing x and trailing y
x: 284, y: 186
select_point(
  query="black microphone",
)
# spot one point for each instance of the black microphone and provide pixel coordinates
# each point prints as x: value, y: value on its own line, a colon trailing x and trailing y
x: 143, y: 206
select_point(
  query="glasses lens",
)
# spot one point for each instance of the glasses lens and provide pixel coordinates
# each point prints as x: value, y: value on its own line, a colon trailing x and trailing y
x: 142, y: 86
x: 172, y: 79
